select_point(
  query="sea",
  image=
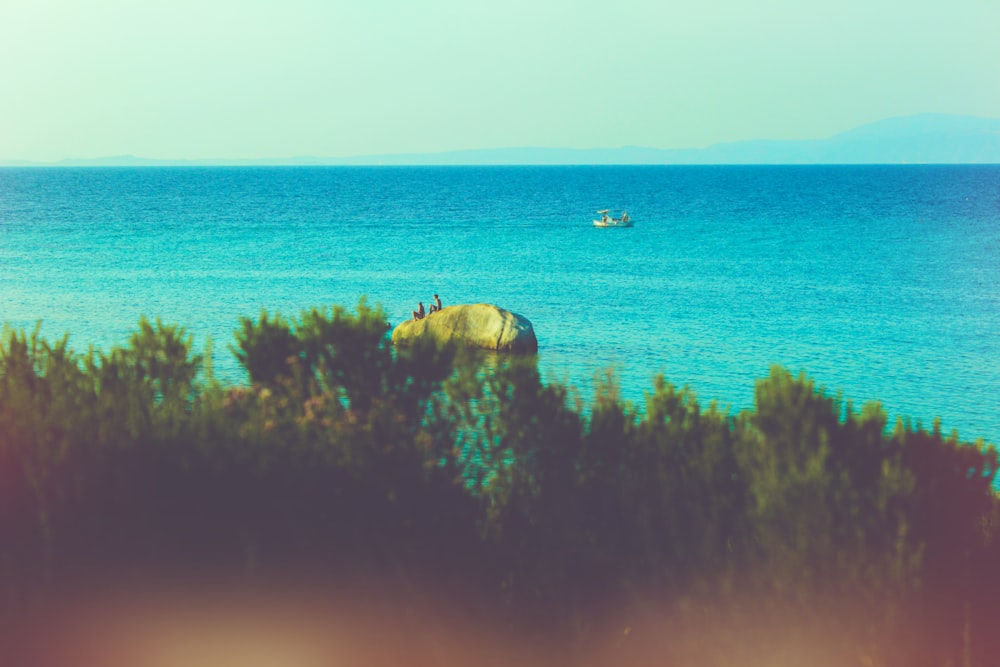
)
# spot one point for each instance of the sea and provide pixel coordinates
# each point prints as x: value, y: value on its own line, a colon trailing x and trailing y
x: 881, y: 283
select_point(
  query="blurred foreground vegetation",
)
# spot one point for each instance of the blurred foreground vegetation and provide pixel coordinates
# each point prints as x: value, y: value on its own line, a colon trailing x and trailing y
x: 801, y: 532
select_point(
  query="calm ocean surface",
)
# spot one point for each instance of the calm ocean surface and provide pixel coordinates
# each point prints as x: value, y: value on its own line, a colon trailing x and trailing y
x: 881, y: 282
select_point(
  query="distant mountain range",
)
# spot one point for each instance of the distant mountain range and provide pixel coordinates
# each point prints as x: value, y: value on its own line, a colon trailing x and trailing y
x: 919, y: 139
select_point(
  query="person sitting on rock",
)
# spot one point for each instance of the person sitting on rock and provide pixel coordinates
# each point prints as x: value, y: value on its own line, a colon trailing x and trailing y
x: 418, y: 314
x: 436, y: 306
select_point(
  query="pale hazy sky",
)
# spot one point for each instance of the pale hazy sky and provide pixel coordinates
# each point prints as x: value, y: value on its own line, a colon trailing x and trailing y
x: 282, y: 78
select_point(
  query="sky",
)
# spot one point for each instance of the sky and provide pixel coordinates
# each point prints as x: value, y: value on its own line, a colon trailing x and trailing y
x: 250, y: 79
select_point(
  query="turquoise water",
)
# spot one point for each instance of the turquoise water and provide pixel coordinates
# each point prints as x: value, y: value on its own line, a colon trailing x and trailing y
x: 883, y: 282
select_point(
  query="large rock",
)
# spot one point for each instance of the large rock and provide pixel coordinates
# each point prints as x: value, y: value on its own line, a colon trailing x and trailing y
x: 480, y: 325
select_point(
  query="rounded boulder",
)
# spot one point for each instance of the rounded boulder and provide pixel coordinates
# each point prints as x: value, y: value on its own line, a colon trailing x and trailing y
x: 480, y: 325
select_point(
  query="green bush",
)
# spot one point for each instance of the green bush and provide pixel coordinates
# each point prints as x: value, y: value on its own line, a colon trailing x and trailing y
x: 343, y: 457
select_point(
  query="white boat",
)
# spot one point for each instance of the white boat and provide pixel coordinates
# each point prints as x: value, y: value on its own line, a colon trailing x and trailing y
x: 607, y: 221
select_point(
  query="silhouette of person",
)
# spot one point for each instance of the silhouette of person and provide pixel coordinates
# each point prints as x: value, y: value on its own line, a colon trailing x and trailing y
x: 436, y: 306
x: 418, y: 314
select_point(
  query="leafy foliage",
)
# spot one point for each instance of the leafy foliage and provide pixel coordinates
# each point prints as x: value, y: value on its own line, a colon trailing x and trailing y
x: 344, y: 458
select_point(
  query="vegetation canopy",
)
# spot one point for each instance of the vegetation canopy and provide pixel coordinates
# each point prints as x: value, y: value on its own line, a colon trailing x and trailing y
x: 800, y: 532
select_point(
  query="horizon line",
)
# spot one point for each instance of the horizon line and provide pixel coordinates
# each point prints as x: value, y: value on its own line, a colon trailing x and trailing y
x: 178, y: 164
x: 956, y: 125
